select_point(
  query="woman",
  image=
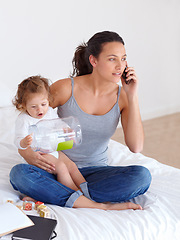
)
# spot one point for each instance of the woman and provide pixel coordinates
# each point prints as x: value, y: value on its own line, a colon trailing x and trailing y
x: 95, y: 98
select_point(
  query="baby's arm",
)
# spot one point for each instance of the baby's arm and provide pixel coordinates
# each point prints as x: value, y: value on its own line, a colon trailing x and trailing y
x: 26, y: 142
x: 22, y: 139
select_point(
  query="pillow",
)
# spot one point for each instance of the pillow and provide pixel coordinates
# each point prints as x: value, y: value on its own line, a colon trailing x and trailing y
x: 6, y: 95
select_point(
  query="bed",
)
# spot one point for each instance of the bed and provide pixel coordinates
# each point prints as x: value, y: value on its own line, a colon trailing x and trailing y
x: 159, y: 219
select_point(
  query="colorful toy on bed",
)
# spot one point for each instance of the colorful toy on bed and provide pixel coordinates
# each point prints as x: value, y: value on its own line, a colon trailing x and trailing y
x: 27, y: 206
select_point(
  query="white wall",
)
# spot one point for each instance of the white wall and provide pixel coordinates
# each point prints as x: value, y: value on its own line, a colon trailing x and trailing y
x: 40, y: 36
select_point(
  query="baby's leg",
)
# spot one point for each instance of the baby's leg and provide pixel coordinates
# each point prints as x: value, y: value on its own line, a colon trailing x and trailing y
x: 62, y: 172
x: 76, y: 176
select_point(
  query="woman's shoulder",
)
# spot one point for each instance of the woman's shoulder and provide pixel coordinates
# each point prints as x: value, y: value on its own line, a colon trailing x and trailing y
x: 61, y: 91
x: 62, y: 83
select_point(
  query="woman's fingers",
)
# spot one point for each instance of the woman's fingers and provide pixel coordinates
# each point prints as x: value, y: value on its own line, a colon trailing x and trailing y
x: 130, y: 75
x: 44, y: 163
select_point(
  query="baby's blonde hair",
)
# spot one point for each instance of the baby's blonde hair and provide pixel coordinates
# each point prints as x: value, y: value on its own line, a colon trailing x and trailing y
x: 33, y: 84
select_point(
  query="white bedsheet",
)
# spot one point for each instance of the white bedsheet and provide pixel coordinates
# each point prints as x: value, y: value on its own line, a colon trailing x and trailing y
x: 160, y: 219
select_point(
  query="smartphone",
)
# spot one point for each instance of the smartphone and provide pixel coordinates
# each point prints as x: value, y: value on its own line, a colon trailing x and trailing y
x: 124, y: 74
x: 125, y: 77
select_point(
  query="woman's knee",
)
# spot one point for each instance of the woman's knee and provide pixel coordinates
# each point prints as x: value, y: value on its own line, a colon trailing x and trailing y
x: 144, y: 175
x: 16, y: 174
x: 140, y: 180
x: 16, y: 171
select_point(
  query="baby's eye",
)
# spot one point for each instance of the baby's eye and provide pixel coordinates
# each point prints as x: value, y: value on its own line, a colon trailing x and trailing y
x: 44, y: 104
x: 33, y: 106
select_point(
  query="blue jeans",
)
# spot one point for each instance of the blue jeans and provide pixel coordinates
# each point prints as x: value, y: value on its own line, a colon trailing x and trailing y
x: 104, y: 184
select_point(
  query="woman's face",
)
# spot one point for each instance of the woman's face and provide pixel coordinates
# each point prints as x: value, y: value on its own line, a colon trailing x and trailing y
x: 111, y: 62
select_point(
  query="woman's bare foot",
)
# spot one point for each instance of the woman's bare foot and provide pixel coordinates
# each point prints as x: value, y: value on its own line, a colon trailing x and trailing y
x: 122, y: 206
x: 83, y: 202
x: 29, y: 199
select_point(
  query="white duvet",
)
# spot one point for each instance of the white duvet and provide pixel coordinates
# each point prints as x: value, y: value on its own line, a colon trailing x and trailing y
x: 160, y: 219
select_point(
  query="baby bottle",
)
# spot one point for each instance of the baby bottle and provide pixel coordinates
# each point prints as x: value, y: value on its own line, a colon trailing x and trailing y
x: 55, y: 134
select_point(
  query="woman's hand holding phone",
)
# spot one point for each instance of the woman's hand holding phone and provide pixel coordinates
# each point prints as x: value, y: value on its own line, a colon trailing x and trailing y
x: 129, y: 81
x: 127, y: 75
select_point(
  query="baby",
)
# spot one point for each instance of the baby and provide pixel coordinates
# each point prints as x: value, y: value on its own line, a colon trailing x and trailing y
x: 32, y: 100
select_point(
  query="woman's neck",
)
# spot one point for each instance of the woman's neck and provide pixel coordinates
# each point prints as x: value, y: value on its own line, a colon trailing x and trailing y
x: 98, y: 85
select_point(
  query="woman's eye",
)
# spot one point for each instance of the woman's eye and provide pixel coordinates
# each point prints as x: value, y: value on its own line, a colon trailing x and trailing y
x: 124, y: 59
x: 111, y: 59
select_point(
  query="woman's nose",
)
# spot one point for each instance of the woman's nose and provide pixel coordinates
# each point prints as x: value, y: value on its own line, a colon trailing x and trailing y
x: 118, y: 65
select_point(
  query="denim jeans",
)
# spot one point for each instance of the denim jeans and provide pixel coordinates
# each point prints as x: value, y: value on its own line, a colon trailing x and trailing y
x: 104, y: 184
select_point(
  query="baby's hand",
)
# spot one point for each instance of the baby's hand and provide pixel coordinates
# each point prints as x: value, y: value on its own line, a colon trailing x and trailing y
x: 26, y: 142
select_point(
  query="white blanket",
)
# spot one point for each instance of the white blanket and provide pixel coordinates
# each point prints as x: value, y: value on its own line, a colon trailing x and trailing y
x: 160, y: 219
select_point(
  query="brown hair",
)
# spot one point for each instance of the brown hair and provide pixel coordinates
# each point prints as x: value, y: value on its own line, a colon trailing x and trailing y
x: 81, y: 64
x: 33, y: 84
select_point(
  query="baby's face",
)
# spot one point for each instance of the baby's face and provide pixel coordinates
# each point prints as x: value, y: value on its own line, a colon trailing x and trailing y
x: 37, y: 105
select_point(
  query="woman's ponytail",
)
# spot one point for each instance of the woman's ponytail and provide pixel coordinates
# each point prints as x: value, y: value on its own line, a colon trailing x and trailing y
x: 81, y: 64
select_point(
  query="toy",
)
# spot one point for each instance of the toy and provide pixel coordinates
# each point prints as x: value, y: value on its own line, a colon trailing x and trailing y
x: 44, y: 213
x: 27, y: 206
x: 42, y: 210
x: 41, y: 207
x: 55, y: 134
x: 37, y: 204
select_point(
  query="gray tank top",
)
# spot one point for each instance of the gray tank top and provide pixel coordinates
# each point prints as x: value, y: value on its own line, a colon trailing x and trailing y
x: 96, y: 132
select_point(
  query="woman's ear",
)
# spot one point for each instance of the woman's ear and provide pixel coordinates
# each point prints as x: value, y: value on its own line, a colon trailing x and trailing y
x: 92, y: 60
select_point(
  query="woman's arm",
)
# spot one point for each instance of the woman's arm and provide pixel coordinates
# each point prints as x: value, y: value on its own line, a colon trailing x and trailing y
x: 37, y: 159
x: 130, y: 114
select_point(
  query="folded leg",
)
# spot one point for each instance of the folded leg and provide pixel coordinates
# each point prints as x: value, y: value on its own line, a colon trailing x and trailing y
x: 115, y: 183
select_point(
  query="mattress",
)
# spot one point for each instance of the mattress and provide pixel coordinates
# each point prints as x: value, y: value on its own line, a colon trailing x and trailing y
x: 159, y: 219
